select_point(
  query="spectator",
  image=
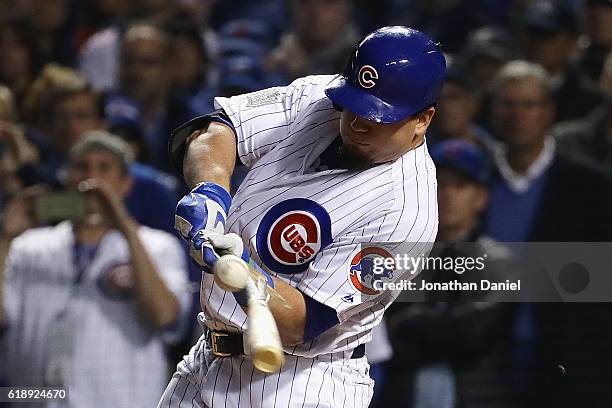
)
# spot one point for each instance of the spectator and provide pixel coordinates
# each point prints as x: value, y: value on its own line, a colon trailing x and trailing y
x: 188, y: 66
x: 322, y: 36
x: 15, y: 149
x: 244, y: 48
x: 458, y: 108
x: 122, y: 118
x: 447, y: 349
x: 99, y: 56
x: 19, y: 57
x: 114, y: 289
x: 60, y: 106
x: 55, y: 30
x: 598, y: 41
x: 144, y: 61
x: 589, y: 137
x: 241, y: 74
x: 272, y: 13
x: 464, y: 171
x: 64, y: 106
x: 540, y: 195
x: 534, y: 196
x: 154, y: 193
x: 551, y: 37
x: 486, y: 50
x: 254, y: 30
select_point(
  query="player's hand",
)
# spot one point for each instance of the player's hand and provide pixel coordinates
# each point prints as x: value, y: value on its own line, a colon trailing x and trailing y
x: 200, y: 219
x: 203, y: 209
x: 208, y: 246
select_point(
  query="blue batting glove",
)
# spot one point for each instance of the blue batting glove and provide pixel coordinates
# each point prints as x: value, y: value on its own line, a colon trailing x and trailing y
x: 204, y: 208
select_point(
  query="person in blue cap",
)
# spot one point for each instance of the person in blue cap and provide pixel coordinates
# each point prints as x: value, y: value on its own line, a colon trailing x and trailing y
x: 551, y: 38
x: 463, y: 171
x: 446, y: 348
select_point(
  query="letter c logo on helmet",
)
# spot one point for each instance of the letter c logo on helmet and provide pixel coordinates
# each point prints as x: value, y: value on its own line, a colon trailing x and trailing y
x: 367, y: 75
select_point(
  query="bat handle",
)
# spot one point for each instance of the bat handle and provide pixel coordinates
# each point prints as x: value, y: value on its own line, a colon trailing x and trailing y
x: 262, y: 333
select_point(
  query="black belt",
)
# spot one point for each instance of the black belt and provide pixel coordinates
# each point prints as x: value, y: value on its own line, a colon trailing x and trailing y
x: 225, y: 344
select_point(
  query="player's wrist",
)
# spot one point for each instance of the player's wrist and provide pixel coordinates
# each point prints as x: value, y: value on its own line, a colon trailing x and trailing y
x: 241, y: 296
x: 205, y: 208
x: 216, y: 192
x: 261, y: 271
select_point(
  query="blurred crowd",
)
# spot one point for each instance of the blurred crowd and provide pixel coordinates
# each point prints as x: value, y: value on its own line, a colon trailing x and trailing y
x: 91, y: 89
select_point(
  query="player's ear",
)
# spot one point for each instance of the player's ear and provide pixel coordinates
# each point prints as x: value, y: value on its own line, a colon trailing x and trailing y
x: 423, y: 119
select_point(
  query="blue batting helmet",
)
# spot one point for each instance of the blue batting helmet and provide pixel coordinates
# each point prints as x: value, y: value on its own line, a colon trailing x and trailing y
x: 392, y: 74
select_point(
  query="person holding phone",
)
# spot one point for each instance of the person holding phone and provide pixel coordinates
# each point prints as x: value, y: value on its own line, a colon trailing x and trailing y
x: 90, y: 303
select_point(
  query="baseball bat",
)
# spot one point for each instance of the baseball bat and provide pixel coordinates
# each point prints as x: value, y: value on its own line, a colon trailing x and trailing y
x: 262, y: 332
x: 262, y: 337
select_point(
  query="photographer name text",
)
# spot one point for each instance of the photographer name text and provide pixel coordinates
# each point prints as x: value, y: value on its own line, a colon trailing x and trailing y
x: 453, y: 285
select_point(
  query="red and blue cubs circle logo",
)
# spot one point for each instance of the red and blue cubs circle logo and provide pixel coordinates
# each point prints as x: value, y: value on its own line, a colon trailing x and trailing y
x: 366, y: 76
x: 295, y: 238
x: 291, y: 233
x: 364, y: 273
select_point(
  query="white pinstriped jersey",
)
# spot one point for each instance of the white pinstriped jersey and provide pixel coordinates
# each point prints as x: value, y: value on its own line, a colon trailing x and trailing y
x: 118, y: 360
x: 308, y: 227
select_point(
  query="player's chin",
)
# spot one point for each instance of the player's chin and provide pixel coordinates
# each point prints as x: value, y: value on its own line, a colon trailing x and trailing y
x: 356, y: 156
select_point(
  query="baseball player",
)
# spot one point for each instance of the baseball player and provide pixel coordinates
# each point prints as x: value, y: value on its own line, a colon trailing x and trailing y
x: 337, y: 163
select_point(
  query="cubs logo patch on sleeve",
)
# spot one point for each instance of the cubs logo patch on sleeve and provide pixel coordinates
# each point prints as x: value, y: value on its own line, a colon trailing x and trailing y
x: 364, y: 274
x: 291, y: 233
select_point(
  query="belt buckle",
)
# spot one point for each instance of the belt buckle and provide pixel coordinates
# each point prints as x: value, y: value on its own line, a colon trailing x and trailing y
x: 214, y: 336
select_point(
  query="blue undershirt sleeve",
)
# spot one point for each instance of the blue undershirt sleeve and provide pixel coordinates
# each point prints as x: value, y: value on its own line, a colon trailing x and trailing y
x: 319, y: 318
